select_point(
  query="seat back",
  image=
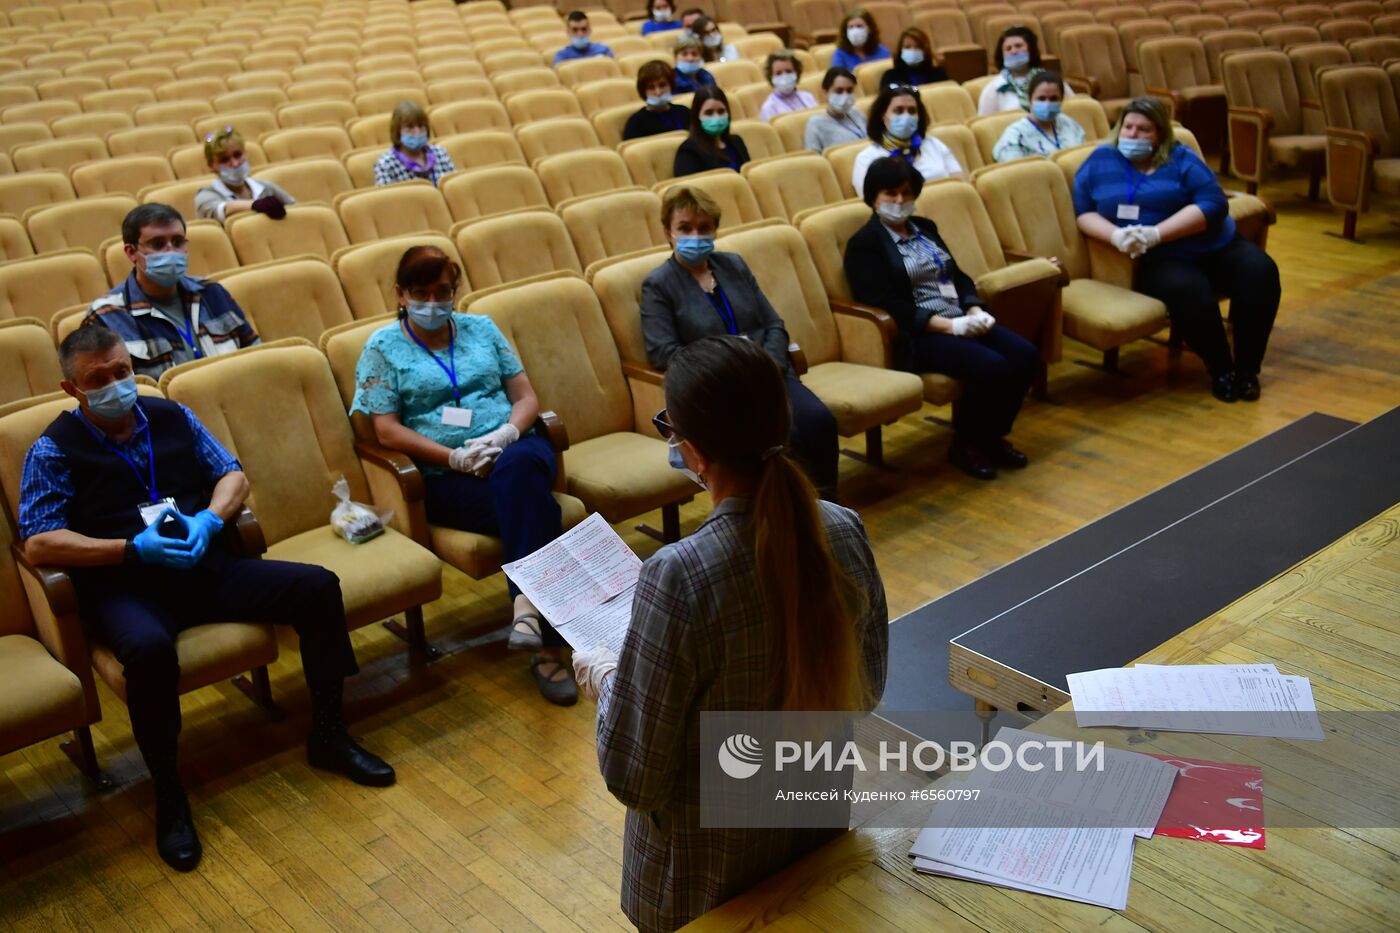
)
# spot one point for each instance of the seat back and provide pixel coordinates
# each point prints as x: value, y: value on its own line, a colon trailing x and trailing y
x: 575, y: 174
x: 467, y: 116
x: 58, y: 154
x: 343, y: 346
x: 605, y: 225
x: 1031, y: 209
x: 14, y: 239
x: 780, y: 261
x: 494, y: 189
x: 1200, y: 24
x: 313, y: 229
x: 1377, y: 49
x: 28, y: 366
x: 511, y: 247
x: 1132, y: 32
x: 366, y: 271
x: 549, y: 137
x: 1263, y: 78
x: 42, y: 285
x: 1342, y: 30
x: 964, y: 224
x: 652, y: 158
x: 1306, y: 13
x: 618, y: 284
x: 787, y: 186
x: 948, y: 103
x: 18, y: 193
x: 483, y: 147
x: 1227, y: 40
x: 77, y: 224
x: 1287, y: 34
x: 541, y: 104
x: 1089, y: 114
x: 729, y: 190
x: 1095, y: 50
x: 406, y: 207
x: 1175, y: 63
x: 145, y: 140
x: 598, y: 95
x: 558, y: 330
x: 291, y: 436
x: 126, y: 175
x: 988, y: 129
x: 305, y: 142
x: 1055, y: 23
x: 826, y: 232
x: 1358, y: 97
x: 843, y: 159
x: 295, y: 297
x: 314, y: 179
x: 958, y: 137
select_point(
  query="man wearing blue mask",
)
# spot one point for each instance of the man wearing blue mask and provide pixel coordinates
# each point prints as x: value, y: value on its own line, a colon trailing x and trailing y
x: 581, y: 44
x: 131, y: 494
x: 165, y: 316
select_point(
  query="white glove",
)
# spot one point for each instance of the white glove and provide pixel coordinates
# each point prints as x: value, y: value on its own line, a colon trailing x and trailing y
x: 472, y: 458
x: 1124, y: 239
x: 969, y: 325
x: 591, y: 665
x: 1147, y: 237
x: 988, y: 322
x: 501, y: 438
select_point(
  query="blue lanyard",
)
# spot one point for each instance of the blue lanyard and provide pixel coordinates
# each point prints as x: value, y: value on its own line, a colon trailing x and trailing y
x: 150, y: 453
x: 855, y: 134
x: 449, y: 368
x: 1134, y: 185
x: 186, y: 331
x: 672, y: 112
x: 932, y: 252
x: 724, y: 310
x: 1056, y: 140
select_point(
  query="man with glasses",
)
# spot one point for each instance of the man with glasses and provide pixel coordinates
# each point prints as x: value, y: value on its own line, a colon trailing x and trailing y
x: 163, y: 315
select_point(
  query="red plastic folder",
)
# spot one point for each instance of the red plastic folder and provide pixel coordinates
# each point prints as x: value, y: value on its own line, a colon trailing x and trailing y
x: 1214, y: 801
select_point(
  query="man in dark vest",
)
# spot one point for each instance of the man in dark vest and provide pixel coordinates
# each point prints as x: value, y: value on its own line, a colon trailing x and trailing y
x: 131, y: 494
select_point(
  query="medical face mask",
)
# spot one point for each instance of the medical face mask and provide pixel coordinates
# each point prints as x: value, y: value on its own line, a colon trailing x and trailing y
x: 715, y: 126
x: 857, y: 35
x: 1045, y: 110
x: 429, y: 315
x: 165, y: 269
x: 234, y: 175
x: 895, y: 213
x: 687, y: 66
x: 1134, y: 150
x: 1016, y: 60
x: 414, y: 142
x: 841, y: 103
x: 661, y: 15
x: 713, y: 41
x: 694, y: 249
x: 673, y: 457
x: 912, y: 56
x: 903, y: 125
x: 113, y: 400
x: 785, y: 82
x: 661, y: 100
x: 581, y: 42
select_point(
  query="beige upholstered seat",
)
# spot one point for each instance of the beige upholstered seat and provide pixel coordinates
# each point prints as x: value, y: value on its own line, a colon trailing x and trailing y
x: 509, y: 247
x: 309, y: 179
x: 144, y: 140
x: 652, y: 158
x: 1175, y: 68
x: 313, y: 229
x: 39, y: 286
x: 601, y: 94
x: 406, y: 207
x: 483, y: 147
x: 478, y: 192
x: 14, y: 239
x: 788, y: 186
x: 728, y: 189
x: 125, y: 175
x: 1093, y: 55
x: 1266, y: 119
x: 576, y: 174
x: 467, y: 116
x: 476, y: 555
x: 80, y: 224
x: 58, y: 154
x: 613, y: 224
x: 951, y: 33
x: 298, y: 296
x: 1217, y: 44
x: 306, y: 142
x: 18, y: 193
x: 1363, y: 137
x: 294, y: 441
x: 28, y: 363
x: 366, y: 271
x: 1132, y: 32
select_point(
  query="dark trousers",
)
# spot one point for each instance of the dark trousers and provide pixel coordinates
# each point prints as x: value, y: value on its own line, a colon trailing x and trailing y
x: 814, y: 437
x: 1189, y: 286
x: 995, y: 369
x: 138, y: 611
x: 514, y: 503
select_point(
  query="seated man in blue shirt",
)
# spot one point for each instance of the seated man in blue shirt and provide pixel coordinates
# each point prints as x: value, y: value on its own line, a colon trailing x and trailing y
x: 131, y: 496
x: 581, y: 44
x: 164, y: 316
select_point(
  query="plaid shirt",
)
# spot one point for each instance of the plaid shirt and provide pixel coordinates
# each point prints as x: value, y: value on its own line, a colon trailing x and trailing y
x: 155, y: 342
x: 700, y: 640
x: 46, y: 485
x: 390, y: 168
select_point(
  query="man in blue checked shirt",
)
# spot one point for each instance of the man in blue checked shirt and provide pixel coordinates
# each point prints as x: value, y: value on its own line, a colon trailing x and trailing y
x: 131, y: 494
x: 165, y: 316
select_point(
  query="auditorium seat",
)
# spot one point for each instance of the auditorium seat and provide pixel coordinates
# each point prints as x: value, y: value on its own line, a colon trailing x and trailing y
x: 359, y: 164
x: 28, y: 367
x: 1092, y: 54
x: 1376, y: 49
x: 145, y: 140
x: 253, y: 76
x: 305, y: 142
x: 127, y: 175
x: 1130, y: 34
x: 484, y: 147
x: 299, y: 296
x: 14, y: 239
x: 39, y: 286
x: 959, y: 138
x: 1227, y: 40
x: 40, y: 111
x: 1199, y: 24
x: 366, y: 271
x: 1266, y: 119
x: 543, y: 138
x: 294, y: 442
x: 788, y: 186
x: 816, y: 20
x: 1363, y: 138
x: 58, y: 154
x: 478, y: 192
x: 1307, y: 59
x: 405, y: 207
x: 467, y: 116
x: 610, y: 122
x: 579, y: 71
x: 1311, y: 13
x: 652, y: 158
x: 1175, y: 68
x: 1055, y: 23
x: 313, y: 229
x: 255, y: 98
x: 598, y: 95
x: 69, y: 88
x: 118, y: 100
x: 389, y: 79
x: 505, y: 248
x: 575, y: 174
x: 541, y: 104
x: 986, y: 132
x: 729, y: 190
x: 466, y: 86
x: 341, y: 89
x: 1089, y: 114
x: 308, y: 179
x: 614, y: 223
x: 81, y: 224
x: 148, y: 78
x: 1288, y: 34
x: 370, y: 103
x: 947, y: 102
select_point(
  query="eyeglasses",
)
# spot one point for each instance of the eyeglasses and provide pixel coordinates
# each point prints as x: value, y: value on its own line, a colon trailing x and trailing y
x: 662, y: 422
x: 161, y: 244
x: 433, y: 293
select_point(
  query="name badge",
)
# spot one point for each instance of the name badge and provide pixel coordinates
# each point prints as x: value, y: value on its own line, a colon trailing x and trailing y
x: 457, y: 417
x: 1127, y: 212
x: 948, y: 290
x: 151, y: 511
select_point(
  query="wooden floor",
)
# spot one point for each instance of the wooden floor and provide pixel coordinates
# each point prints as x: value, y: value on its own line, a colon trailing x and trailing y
x: 499, y: 819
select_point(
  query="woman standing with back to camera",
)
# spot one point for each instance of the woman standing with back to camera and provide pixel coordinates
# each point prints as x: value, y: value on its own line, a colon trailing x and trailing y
x: 774, y: 603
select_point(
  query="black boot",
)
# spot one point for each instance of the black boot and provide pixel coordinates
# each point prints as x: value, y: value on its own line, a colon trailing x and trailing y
x: 330, y: 747
x: 176, y: 840
x: 1247, y: 387
x: 1223, y: 387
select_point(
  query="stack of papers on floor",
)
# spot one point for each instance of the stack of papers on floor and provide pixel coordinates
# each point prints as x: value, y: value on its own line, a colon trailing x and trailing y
x: 1056, y: 830
x: 1230, y: 699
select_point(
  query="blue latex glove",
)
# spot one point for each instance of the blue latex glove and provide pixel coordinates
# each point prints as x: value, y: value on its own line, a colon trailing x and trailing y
x: 202, y: 529
x: 155, y: 548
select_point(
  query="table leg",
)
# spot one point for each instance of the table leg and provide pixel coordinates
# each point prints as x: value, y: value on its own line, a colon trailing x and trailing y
x: 985, y: 712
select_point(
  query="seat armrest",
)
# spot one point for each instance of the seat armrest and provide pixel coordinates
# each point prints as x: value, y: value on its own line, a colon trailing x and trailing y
x: 404, y: 470
x: 647, y: 398
x: 247, y: 534
x: 781, y: 29
x: 1014, y: 256
x: 867, y: 333
x: 1249, y: 129
x: 53, y: 603
x: 1309, y: 103
x: 1350, y: 163
x: 798, y: 358
x: 1083, y: 84
x: 642, y: 373
x: 395, y: 484
x: 550, y: 424
x: 1025, y: 298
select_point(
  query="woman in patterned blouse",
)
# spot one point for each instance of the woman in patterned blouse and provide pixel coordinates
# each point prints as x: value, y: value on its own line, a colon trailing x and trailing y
x: 410, y: 155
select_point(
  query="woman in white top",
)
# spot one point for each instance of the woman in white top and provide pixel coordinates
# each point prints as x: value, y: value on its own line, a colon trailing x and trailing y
x: 783, y: 71
x: 233, y: 192
x: 1018, y: 60
x: 715, y: 49
x: 896, y: 129
x: 840, y: 122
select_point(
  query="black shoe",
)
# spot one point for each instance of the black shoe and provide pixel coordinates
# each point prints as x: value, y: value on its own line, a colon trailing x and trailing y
x: 176, y: 840
x: 966, y: 458
x: 1004, y: 455
x: 1223, y: 387
x: 1246, y: 387
x: 343, y: 756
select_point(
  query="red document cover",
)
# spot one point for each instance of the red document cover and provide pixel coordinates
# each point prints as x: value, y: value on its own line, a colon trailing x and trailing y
x: 1214, y: 801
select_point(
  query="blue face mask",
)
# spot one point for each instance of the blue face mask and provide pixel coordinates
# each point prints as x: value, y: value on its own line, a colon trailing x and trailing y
x: 673, y: 457
x: 429, y: 315
x: 694, y: 249
x: 660, y: 100
x: 912, y: 56
x: 687, y: 67
x: 414, y: 142
x: 113, y: 400
x: 1045, y: 110
x: 165, y: 269
x: 1016, y: 60
x: 903, y: 125
x: 1135, y: 150
x: 581, y: 42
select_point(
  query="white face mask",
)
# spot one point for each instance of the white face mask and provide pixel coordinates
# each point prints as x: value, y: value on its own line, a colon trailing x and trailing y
x: 713, y: 41
x: 841, y: 103
x: 895, y: 213
x: 785, y: 82
x: 857, y: 36
x: 661, y: 15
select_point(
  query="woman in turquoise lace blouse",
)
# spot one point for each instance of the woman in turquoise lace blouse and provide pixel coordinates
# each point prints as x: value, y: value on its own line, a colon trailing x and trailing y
x: 448, y: 390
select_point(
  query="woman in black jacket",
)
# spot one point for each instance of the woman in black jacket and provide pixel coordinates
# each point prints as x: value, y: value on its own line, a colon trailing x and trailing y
x: 899, y: 263
x: 710, y: 145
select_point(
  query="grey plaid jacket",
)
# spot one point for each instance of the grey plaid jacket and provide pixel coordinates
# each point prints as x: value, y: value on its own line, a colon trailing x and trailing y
x: 699, y: 640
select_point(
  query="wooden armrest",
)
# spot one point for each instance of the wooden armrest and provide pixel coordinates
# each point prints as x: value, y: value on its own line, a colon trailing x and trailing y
x: 247, y: 534
x: 1309, y: 104
x: 54, y: 581
x: 1358, y: 137
x: 798, y: 358
x: 642, y: 373
x: 403, y: 469
x: 551, y: 425
x: 1254, y: 115
x: 1087, y: 81
x: 877, y: 316
x: 1167, y: 94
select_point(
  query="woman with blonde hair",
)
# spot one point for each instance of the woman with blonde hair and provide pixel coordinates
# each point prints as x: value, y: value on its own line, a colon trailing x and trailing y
x: 410, y: 155
x: 234, y: 192
x: 775, y: 603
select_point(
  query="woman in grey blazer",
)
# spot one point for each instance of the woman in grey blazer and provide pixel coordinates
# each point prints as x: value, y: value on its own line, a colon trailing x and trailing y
x: 700, y: 293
